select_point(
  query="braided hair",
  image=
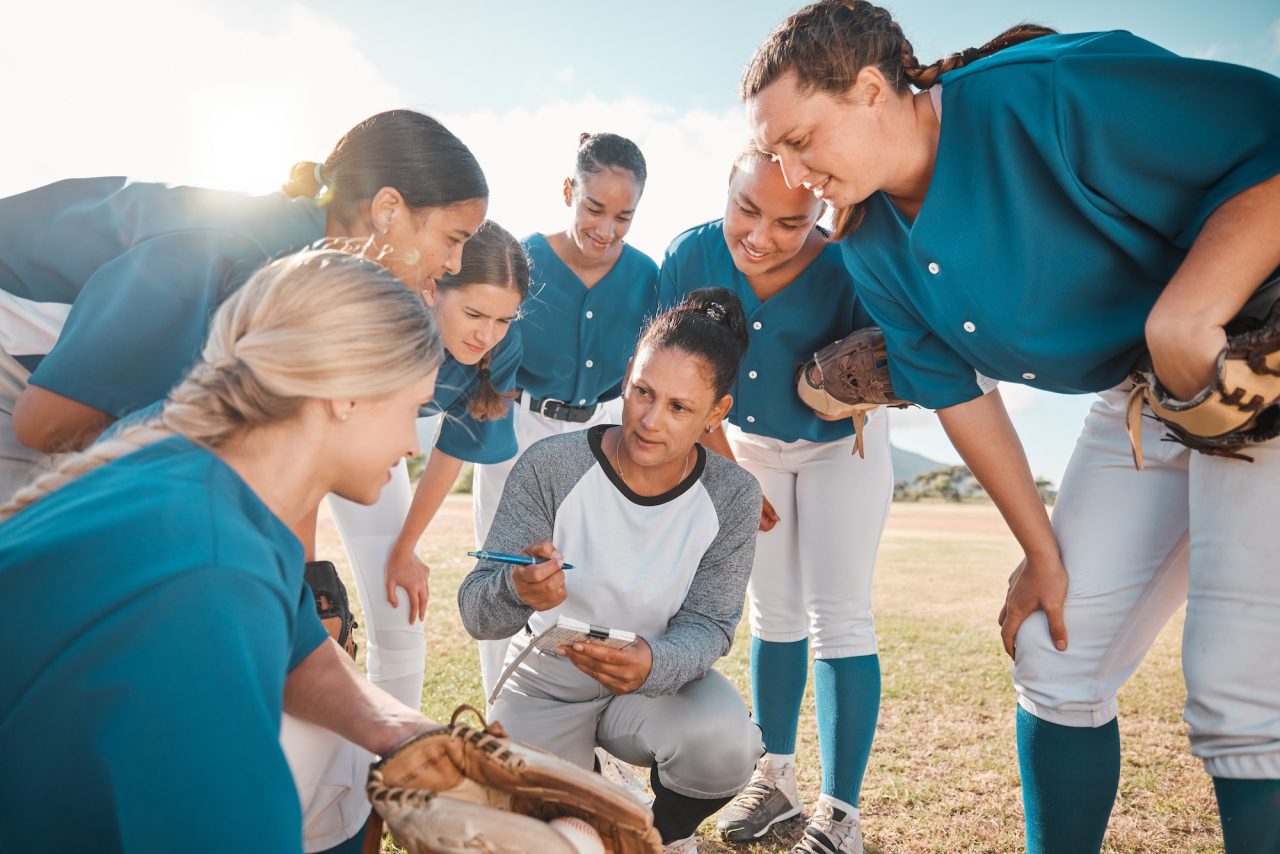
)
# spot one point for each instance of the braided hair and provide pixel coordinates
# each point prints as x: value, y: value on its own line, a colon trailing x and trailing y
x: 827, y: 43
x: 317, y: 324
x: 491, y: 257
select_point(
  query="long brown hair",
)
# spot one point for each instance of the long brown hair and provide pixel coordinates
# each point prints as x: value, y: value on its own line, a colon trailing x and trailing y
x: 826, y: 44
x: 491, y: 257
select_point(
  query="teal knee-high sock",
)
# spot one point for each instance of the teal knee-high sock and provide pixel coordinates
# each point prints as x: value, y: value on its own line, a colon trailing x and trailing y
x: 847, y: 691
x: 1069, y: 780
x: 1250, y: 811
x: 778, y: 674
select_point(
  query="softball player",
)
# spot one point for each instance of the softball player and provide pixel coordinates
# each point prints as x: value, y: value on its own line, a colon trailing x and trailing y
x: 1053, y: 207
x: 475, y: 309
x: 107, y: 285
x: 158, y: 589
x: 661, y: 534
x: 811, y: 578
x: 591, y: 295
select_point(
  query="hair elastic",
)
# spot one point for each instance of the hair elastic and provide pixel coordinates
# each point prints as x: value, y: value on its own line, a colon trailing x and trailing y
x: 715, y: 311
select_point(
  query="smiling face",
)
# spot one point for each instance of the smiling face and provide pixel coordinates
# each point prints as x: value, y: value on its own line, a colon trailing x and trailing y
x: 474, y: 318
x: 667, y: 405
x: 421, y: 246
x: 766, y: 222
x: 375, y: 435
x: 835, y: 147
x: 603, y: 205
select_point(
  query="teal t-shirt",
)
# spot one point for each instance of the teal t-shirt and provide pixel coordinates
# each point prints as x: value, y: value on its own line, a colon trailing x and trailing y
x: 1073, y: 173
x: 143, y: 267
x: 818, y: 307
x: 577, y: 340
x: 462, y: 435
x: 156, y: 606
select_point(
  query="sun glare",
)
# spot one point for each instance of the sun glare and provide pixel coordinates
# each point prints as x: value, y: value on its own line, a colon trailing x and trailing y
x: 237, y: 143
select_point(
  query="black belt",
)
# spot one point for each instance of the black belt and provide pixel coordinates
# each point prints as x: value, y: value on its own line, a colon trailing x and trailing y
x: 561, y: 411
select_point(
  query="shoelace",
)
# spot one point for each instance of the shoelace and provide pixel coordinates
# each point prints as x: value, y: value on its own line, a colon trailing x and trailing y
x: 756, y: 791
x: 825, y: 833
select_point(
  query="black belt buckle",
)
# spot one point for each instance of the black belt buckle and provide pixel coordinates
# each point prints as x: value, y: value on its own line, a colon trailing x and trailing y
x: 561, y: 411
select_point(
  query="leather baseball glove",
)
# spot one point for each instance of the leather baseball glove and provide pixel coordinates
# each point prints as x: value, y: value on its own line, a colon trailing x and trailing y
x: 1242, y: 405
x: 331, y: 603
x: 458, y: 789
x: 849, y: 378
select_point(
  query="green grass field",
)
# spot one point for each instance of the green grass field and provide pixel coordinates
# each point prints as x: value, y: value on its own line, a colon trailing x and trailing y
x: 943, y: 773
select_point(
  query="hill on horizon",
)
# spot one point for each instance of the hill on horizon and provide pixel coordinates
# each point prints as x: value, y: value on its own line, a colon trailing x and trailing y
x: 908, y: 464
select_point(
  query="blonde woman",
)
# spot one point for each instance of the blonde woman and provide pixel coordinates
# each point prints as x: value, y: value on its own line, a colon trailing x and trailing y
x: 158, y: 585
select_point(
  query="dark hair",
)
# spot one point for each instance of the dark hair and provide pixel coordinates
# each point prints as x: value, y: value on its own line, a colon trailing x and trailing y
x: 709, y: 324
x: 600, y: 151
x: 827, y: 43
x: 491, y: 257
x: 407, y: 151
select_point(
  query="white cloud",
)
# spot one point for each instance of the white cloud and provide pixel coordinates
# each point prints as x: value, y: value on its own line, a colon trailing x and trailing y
x: 565, y: 75
x: 1211, y: 51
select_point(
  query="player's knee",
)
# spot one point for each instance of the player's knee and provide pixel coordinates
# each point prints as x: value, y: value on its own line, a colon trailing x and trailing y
x: 717, y: 754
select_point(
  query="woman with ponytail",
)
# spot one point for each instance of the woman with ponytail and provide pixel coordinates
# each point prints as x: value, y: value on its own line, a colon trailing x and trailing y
x: 107, y: 285
x: 592, y: 293
x: 1053, y: 210
x: 158, y: 585
x: 661, y: 533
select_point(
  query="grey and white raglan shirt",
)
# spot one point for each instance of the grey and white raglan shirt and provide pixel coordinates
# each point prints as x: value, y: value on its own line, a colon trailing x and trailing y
x: 672, y: 568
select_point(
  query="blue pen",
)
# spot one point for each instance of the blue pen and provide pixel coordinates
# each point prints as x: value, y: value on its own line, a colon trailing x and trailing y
x: 519, y: 560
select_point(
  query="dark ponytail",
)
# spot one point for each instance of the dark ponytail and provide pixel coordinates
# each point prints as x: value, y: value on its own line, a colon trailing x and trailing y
x: 600, y: 151
x: 827, y: 43
x: 709, y: 324
x: 491, y: 257
x: 407, y: 151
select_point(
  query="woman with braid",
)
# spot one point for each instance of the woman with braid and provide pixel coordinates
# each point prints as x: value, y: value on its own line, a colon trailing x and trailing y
x: 1050, y: 209
x: 157, y: 586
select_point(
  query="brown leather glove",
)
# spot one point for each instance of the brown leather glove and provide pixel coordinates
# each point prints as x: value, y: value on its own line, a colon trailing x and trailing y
x: 1242, y: 405
x: 457, y: 789
x: 849, y: 378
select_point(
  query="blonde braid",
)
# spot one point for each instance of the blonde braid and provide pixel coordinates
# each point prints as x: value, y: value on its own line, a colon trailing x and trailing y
x: 319, y: 324
x: 128, y: 440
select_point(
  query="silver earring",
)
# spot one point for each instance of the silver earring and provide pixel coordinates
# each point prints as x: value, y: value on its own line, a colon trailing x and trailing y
x: 343, y: 416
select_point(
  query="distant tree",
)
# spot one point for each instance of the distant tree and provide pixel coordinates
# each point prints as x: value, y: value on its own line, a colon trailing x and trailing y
x: 1048, y: 490
x: 951, y: 483
x: 904, y: 491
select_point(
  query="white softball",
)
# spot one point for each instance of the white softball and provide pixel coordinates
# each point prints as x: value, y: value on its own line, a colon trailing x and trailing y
x: 580, y: 834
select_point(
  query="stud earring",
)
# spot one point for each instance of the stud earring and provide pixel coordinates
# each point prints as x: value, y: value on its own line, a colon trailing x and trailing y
x: 343, y: 416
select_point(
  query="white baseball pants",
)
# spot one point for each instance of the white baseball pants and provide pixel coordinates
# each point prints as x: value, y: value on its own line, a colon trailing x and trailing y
x: 1137, y: 544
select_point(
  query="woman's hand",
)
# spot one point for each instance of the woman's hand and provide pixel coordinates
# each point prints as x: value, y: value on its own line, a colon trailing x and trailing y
x: 768, y: 516
x: 1039, y: 585
x: 405, y: 569
x: 541, y: 585
x: 1184, y: 353
x: 620, y: 670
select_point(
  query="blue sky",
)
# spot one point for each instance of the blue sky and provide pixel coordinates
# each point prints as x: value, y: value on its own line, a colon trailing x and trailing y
x: 229, y: 93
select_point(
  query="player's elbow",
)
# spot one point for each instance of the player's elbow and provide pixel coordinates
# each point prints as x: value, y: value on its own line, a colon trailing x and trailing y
x: 48, y: 422
x: 29, y: 428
